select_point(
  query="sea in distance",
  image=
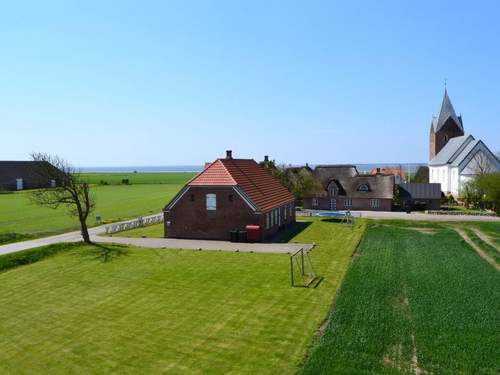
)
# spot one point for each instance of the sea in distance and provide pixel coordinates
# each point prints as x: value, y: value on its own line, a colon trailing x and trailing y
x: 362, y: 168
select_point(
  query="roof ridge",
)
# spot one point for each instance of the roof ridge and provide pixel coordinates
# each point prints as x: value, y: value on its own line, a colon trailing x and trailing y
x: 229, y: 173
x: 207, y: 168
x: 468, y: 139
x: 250, y: 179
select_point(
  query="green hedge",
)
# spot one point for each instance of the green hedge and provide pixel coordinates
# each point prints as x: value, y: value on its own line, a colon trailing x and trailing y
x: 13, y: 237
x: 29, y: 256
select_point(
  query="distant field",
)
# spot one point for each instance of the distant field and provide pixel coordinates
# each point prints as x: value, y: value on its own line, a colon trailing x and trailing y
x: 137, y: 178
x: 168, y: 311
x: 417, y: 299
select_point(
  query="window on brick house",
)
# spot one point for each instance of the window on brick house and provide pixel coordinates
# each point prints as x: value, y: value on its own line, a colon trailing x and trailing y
x: 211, y: 202
x: 374, y: 203
x: 315, y: 202
x: 348, y: 203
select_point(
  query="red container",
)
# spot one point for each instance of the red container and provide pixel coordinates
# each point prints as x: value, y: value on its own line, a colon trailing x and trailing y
x: 253, y: 233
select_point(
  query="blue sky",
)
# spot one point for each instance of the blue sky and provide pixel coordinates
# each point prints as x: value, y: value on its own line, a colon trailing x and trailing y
x: 115, y: 83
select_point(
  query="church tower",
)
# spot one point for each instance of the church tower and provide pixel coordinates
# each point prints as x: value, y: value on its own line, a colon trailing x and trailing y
x: 444, y: 126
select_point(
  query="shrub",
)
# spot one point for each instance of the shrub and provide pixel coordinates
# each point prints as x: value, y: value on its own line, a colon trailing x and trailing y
x: 13, y: 237
x: 29, y: 256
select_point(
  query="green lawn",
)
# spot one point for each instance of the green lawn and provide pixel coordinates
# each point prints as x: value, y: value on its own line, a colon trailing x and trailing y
x: 156, y: 311
x: 150, y: 231
x: 18, y: 215
x: 137, y: 178
x: 410, y: 301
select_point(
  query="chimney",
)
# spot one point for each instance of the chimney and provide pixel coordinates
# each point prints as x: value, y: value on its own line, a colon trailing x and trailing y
x: 229, y: 154
x: 266, y: 158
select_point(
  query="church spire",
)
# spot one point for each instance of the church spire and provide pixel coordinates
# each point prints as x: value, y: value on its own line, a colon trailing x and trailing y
x: 447, y: 111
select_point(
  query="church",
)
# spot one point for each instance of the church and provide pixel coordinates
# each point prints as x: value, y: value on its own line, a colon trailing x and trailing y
x: 454, y: 156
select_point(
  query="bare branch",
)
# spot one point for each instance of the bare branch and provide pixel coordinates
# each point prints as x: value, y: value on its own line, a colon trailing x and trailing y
x: 69, y: 189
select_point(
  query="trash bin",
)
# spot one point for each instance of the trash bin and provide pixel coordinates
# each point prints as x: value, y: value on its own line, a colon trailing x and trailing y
x: 253, y: 233
x: 242, y: 236
x: 234, y: 235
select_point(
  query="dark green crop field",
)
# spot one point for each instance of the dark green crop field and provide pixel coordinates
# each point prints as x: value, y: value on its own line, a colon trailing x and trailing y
x: 415, y: 300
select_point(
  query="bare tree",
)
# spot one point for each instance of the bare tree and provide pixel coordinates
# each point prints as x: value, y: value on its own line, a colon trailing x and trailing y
x: 64, y: 187
x: 481, y: 164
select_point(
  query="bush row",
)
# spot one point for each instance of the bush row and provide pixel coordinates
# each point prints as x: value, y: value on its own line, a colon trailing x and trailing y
x: 29, y: 256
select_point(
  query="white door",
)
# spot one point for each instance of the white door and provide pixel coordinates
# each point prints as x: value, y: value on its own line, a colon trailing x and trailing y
x: 19, y: 183
x: 333, y: 204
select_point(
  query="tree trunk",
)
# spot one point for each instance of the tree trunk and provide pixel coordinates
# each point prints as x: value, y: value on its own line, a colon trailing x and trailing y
x: 84, y: 230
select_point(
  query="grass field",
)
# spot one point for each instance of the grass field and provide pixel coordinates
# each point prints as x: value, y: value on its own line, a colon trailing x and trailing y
x: 137, y: 178
x: 150, y: 231
x: 148, y: 193
x: 18, y: 215
x: 413, y: 301
x: 156, y: 311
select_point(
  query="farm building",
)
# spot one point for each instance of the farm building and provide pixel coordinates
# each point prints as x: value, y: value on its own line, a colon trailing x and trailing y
x: 345, y: 189
x: 230, y: 194
x: 420, y: 196
x: 22, y: 175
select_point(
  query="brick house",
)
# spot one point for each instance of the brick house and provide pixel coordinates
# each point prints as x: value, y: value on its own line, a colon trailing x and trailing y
x: 229, y: 194
x: 345, y: 189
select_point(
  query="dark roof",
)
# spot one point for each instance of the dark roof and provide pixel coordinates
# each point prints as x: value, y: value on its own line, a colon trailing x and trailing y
x: 420, y: 191
x: 348, y: 181
x: 262, y: 188
x: 11, y: 170
x: 447, y: 111
x: 380, y: 186
x: 325, y: 173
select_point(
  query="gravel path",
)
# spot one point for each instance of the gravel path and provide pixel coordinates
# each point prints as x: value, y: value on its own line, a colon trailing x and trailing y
x: 159, y: 243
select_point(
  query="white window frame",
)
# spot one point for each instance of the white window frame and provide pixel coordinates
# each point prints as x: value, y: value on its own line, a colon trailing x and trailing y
x: 374, y: 203
x: 348, y: 202
x: 211, y: 202
x: 268, y: 219
x: 315, y: 202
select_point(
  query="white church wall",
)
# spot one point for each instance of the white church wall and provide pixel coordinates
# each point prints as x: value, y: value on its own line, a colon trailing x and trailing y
x: 440, y: 175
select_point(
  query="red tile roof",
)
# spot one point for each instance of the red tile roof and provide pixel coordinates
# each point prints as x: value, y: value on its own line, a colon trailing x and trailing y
x: 263, y: 189
x: 214, y: 174
x: 388, y: 171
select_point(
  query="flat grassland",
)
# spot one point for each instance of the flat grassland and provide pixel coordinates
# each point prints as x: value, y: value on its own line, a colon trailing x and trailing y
x: 416, y: 299
x: 20, y: 219
x: 156, y: 311
x: 137, y: 178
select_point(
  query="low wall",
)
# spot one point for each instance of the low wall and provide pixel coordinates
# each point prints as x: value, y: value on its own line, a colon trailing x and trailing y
x: 136, y: 223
